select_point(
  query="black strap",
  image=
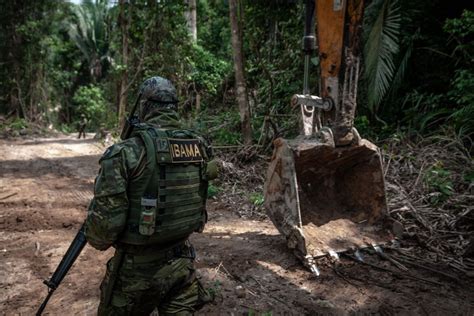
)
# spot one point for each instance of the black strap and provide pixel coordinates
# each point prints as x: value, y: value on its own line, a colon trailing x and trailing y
x: 150, y: 191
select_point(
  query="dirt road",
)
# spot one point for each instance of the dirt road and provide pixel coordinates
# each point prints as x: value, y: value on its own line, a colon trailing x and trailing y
x: 46, y: 184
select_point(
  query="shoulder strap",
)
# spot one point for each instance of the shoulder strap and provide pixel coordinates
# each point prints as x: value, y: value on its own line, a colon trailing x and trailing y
x: 151, y: 165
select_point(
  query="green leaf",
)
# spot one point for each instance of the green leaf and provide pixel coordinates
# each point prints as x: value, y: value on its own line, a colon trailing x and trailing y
x: 381, y: 48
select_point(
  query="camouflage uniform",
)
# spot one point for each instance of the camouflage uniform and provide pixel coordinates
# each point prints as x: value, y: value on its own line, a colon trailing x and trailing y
x: 149, y: 271
x: 82, y: 126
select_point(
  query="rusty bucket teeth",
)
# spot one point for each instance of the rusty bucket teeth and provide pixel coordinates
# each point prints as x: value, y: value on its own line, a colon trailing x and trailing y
x: 334, y: 255
x: 358, y: 255
x: 310, y: 263
x: 377, y: 249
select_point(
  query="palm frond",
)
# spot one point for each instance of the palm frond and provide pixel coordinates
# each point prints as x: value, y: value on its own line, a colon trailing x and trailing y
x: 433, y: 118
x: 464, y: 118
x: 381, y: 48
x: 402, y: 65
x: 89, y: 31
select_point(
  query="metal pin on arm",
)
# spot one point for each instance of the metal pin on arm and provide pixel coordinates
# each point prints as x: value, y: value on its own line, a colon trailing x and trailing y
x: 309, y: 104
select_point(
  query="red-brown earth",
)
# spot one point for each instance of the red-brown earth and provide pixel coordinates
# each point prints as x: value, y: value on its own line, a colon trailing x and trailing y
x: 46, y: 185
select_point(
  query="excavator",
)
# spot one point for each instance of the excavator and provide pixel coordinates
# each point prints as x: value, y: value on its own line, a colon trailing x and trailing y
x: 325, y: 190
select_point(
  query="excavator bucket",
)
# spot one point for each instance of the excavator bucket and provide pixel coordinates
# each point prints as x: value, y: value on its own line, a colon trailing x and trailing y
x: 326, y: 199
x: 325, y: 190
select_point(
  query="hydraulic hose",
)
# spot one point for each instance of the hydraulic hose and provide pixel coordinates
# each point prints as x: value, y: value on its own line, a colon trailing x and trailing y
x: 309, y: 41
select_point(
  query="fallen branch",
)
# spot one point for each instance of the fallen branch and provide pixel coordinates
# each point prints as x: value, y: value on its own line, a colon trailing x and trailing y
x: 394, y: 272
x: 10, y: 195
x: 418, y: 265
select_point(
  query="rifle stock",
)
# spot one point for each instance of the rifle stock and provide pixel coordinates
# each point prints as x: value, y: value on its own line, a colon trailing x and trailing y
x: 66, y: 263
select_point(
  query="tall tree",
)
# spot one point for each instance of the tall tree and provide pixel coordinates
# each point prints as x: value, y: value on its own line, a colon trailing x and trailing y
x: 191, y: 22
x: 241, y: 89
x: 26, y: 30
x: 124, y: 23
x: 191, y: 19
x: 90, y: 33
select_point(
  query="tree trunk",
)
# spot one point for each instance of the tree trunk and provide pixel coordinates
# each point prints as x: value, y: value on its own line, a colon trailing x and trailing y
x: 191, y: 19
x: 241, y: 90
x: 123, y: 94
x: 15, y: 92
x: 198, y: 102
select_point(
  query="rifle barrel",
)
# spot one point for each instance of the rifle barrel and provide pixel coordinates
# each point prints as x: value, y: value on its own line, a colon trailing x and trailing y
x: 66, y: 263
x: 43, y: 305
x: 69, y: 258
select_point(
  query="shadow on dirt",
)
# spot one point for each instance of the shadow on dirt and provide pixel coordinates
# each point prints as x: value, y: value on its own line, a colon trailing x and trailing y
x: 60, y: 141
x: 63, y: 166
x: 262, y: 263
x: 41, y: 216
x: 245, y: 259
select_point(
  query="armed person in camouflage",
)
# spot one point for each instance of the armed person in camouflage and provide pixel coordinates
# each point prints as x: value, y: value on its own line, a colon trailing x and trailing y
x: 149, y: 196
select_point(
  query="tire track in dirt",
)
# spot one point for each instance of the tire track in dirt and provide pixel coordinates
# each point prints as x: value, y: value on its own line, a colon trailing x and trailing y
x: 50, y: 182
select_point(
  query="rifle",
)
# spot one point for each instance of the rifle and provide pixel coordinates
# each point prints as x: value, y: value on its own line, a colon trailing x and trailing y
x: 80, y: 241
x: 131, y: 121
x: 66, y: 263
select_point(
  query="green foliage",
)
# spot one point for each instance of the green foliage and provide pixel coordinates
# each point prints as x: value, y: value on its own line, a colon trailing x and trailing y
x: 159, y: 44
x: 274, y: 61
x: 257, y: 199
x: 253, y: 313
x: 461, y: 31
x: 222, y: 128
x: 18, y: 124
x: 381, y: 48
x: 67, y: 128
x: 462, y: 94
x: 212, y: 191
x: 437, y: 89
x: 428, y: 104
x: 215, y: 288
x: 469, y: 177
x: 89, y: 31
x: 362, y: 124
x: 226, y: 137
x: 91, y: 103
x: 418, y: 72
x: 439, y: 181
x: 461, y: 28
x: 24, y: 33
x: 207, y: 70
x: 213, y: 28
x: 18, y: 127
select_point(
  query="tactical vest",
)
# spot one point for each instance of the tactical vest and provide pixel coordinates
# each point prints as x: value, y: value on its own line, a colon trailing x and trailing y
x: 167, y: 200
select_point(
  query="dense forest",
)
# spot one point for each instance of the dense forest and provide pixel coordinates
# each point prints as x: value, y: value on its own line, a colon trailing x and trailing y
x: 62, y: 61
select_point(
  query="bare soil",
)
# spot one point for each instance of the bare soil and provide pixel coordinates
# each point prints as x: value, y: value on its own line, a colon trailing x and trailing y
x: 46, y: 185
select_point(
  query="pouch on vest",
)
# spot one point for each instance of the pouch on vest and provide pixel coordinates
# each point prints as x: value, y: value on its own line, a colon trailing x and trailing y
x: 211, y: 170
x: 146, y: 226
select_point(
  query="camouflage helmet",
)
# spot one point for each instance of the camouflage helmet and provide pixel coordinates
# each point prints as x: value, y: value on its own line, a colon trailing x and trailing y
x: 157, y: 93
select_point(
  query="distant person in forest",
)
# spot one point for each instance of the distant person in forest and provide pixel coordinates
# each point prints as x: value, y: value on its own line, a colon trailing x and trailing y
x: 82, y: 126
x: 149, y: 196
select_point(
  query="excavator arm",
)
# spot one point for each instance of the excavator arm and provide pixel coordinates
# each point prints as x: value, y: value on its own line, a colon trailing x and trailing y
x: 338, y: 38
x: 339, y: 33
x: 325, y: 190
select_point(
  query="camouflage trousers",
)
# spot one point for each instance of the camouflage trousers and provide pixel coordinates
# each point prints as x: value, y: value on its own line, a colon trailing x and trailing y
x: 142, y: 286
